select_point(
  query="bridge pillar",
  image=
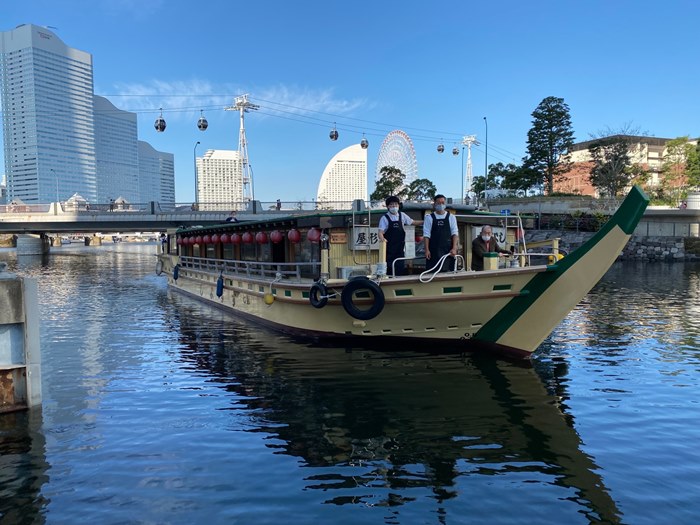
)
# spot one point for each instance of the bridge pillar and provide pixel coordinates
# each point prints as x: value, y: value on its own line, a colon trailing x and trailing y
x: 56, y: 240
x: 30, y: 244
x: 95, y: 240
x: 20, y: 355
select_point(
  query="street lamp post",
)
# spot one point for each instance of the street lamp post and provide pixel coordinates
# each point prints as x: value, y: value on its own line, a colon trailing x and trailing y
x: 486, y: 147
x: 461, y: 161
x: 196, y: 181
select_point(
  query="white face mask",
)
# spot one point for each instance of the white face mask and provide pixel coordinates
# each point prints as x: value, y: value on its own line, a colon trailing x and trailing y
x: 393, y: 210
x: 486, y: 238
x: 440, y: 207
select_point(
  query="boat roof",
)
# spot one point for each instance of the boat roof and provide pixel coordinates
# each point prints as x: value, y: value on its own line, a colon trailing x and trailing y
x: 334, y: 218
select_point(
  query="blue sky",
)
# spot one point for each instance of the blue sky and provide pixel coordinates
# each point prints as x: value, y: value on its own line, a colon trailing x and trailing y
x: 433, y: 70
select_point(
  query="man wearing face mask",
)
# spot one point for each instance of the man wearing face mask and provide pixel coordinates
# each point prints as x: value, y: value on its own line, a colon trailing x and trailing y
x: 391, y: 231
x: 440, y: 235
x: 482, y: 244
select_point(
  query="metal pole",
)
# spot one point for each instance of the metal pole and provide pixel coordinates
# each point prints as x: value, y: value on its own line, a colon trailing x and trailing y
x: 461, y: 161
x: 252, y: 187
x: 486, y: 146
x: 196, y: 185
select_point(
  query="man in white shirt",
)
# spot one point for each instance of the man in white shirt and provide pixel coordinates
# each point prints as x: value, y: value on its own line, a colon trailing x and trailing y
x: 440, y: 235
x: 392, y: 232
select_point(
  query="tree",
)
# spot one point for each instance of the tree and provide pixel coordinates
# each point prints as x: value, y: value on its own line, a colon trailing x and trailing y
x: 549, y: 139
x: 479, y: 184
x: 421, y: 189
x: 390, y: 183
x: 674, y: 168
x: 613, y: 152
x: 610, y: 173
x: 693, y: 166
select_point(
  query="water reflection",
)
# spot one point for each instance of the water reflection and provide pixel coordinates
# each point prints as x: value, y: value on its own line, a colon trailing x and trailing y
x: 23, y: 468
x: 372, y: 427
x: 158, y: 409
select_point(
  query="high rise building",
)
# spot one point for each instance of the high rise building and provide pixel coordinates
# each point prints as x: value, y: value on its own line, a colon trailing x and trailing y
x: 220, y: 180
x: 156, y: 175
x: 48, y: 124
x: 344, y: 179
x: 116, y: 153
x: 59, y: 138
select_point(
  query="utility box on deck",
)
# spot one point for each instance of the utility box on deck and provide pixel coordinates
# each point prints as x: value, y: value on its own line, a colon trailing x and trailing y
x: 20, y: 357
x: 491, y: 261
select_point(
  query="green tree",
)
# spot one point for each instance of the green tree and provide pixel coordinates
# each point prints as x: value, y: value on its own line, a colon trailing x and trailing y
x: 674, y: 168
x: 391, y: 182
x: 693, y: 166
x: 549, y: 139
x: 479, y: 184
x: 520, y: 178
x: 421, y: 189
x: 611, y: 173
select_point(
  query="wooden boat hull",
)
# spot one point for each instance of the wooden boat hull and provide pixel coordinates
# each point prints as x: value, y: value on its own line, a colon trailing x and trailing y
x: 509, y: 310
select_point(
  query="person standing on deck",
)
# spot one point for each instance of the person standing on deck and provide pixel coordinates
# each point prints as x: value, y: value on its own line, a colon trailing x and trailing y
x: 485, y: 243
x: 392, y: 232
x: 440, y: 235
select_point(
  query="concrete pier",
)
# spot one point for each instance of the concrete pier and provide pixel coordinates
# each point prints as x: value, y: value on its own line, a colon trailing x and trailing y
x: 31, y: 244
x: 20, y: 355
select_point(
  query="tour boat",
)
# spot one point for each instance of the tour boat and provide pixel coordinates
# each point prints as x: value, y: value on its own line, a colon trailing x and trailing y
x: 322, y: 275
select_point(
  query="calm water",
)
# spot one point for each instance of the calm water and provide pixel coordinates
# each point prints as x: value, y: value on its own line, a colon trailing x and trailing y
x: 159, y: 410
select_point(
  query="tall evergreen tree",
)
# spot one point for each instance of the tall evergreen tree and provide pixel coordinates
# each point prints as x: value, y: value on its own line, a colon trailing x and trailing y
x: 549, y: 139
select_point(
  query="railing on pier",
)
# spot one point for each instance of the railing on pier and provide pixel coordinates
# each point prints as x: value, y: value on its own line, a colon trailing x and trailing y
x: 253, y: 269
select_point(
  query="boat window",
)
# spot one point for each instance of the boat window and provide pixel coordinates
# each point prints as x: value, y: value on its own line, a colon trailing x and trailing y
x: 287, y: 293
x: 500, y: 287
x: 305, y: 295
x: 403, y: 293
x: 452, y: 289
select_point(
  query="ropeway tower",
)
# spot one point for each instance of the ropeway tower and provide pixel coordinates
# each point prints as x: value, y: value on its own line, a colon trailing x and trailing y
x: 468, y: 141
x: 242, y: 105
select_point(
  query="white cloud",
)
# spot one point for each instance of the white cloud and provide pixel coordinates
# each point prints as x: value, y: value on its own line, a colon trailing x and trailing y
x: 185, y: 98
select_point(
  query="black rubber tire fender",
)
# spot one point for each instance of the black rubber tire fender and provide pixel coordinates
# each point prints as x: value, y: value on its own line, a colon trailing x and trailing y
x: 318, y: 295
x: 362, y: 283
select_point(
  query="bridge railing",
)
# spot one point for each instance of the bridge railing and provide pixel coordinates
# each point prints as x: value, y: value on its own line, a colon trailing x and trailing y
x: 251, y: 269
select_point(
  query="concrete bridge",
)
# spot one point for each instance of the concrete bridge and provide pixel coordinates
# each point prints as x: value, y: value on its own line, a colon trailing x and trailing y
x: 38, y: 226
x: 58, y: 218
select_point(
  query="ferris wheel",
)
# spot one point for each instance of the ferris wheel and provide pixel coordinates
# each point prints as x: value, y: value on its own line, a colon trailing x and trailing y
x: 397, y: 150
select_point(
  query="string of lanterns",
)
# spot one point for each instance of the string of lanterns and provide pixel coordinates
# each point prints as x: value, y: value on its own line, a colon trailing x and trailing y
x: 276, y: 236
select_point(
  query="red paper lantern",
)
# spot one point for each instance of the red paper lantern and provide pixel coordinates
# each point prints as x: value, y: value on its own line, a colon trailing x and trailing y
x: 225, y: 239
x: 206, y: 239
x: 276, y: 236
x: 261, y: 238
x: 215, y: 238
x: 247, y: 238
x: 198, y: 239
x: 313, y: 235
x: 179, y: 240
x: 294, y: 235
x: 235, y: 238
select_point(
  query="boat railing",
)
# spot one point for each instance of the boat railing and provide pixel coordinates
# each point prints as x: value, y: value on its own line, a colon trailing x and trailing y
x: 253, y: 269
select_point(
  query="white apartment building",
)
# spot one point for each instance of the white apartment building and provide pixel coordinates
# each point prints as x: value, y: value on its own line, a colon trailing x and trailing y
x: 220, y: 180
x: 344, y: 179
x: 48, y: 124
